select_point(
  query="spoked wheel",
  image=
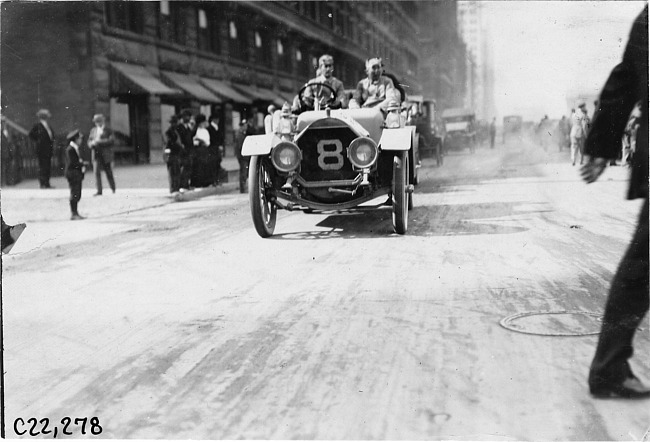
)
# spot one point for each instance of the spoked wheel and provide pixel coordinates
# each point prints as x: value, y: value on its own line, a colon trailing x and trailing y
x: 400, y: 195
x: 263, y: 211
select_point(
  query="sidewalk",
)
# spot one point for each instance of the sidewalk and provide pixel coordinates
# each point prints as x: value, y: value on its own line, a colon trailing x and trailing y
x: 138, y: 187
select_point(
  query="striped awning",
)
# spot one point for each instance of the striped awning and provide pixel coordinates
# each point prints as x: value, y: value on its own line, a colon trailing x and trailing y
x: 191, y: 86
x: 225, y: 90
x: 136, y: 79
x: 261, y: 94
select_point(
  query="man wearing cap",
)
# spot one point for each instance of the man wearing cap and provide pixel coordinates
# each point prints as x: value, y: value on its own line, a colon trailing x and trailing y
x: 325, y: 71
x: 43, y: 136
x: 578, y: 133
x: 75, y: 168
x: 101, y: 142
x: 374, y: 90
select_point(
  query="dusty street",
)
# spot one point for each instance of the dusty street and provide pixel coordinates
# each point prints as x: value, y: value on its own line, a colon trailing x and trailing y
x: 180, y: 322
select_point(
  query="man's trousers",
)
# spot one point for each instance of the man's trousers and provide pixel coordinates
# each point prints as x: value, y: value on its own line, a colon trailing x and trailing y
x: 626, y: 306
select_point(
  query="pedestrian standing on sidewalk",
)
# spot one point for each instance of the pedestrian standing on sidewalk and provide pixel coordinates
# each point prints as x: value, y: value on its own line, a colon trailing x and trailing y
x: 186, y: 133
x: 75, y: 168
x: 610, y: 374
x: 173, y: 151
x: 244, y: 130
x: 101, y: 142
x: 216, y: 149
x: 202, y: 175
x: 43, y: 136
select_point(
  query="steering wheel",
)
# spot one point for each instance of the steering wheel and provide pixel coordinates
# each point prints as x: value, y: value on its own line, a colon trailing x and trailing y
x: 330, y: 99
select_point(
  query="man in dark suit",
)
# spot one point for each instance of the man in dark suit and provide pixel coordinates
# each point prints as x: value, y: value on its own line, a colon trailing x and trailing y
x: 43, y: 136
x: 216, y: 148
x: 186, y: 134
x: 101, y: 142
x: 74, y: 171
x: 610, y: 374
x: 173, y: 149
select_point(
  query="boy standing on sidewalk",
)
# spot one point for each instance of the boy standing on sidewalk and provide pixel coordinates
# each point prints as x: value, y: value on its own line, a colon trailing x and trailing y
x: 74, y: 170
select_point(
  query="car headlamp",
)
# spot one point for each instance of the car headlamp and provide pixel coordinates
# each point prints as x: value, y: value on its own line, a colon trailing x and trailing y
x: 362, y: 152
x: 286, y: 156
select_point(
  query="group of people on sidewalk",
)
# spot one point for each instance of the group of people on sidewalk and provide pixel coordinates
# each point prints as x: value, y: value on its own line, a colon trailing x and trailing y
x: 100, y: 142
x: 194, y: 147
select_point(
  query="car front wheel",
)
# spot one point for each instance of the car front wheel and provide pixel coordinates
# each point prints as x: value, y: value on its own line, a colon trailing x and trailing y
x: 400, y: 194
x: 263, y: 211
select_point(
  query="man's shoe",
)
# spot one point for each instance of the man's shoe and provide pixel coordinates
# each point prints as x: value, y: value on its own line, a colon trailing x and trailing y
x: 629, y: 388
x: 98, y: 194
x: 9, y: 240
x: 76, y: 216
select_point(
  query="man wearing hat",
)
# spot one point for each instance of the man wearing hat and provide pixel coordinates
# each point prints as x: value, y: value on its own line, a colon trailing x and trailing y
x: 579, y: 133
x: 101, y: 142
x: 186, y: 134
x: 43, y: 136
x: 376, y: 89
x: 173, y: 150
x: 75, y: 168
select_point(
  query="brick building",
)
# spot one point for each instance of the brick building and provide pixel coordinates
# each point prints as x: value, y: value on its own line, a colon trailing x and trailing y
x: 138, y: 62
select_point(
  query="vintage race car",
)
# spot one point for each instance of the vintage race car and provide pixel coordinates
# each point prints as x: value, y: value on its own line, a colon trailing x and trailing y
x: 327, y: 160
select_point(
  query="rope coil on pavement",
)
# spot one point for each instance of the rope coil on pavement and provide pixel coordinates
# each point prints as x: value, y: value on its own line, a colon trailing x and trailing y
x: 508, y: 324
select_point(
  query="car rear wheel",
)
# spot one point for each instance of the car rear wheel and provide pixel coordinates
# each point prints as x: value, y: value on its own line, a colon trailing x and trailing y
x: 263, y: 211
x: 400, y: 195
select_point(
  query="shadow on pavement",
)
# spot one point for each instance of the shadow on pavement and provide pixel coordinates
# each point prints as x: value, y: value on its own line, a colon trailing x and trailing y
x: 424, y: 221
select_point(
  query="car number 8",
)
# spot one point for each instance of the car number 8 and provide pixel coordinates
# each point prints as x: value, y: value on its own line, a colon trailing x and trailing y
x: 334, y: 157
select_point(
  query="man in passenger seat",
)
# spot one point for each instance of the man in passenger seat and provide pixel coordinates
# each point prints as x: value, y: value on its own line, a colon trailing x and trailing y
x: 374, y: 90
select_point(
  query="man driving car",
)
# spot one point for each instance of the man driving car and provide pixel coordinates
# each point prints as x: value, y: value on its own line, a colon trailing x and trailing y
x: 323, y: 94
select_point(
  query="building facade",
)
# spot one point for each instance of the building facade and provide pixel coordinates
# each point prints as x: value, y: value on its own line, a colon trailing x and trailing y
x: 139, y: 62
x: 480, y: 78
x: 442, y: 56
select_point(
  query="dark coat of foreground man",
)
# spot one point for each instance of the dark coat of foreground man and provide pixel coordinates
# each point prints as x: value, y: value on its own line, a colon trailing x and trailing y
x: 610, y: 374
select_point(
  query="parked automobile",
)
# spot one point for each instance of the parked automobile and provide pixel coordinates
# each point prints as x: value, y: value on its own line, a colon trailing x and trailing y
x: 327, y: 159
x: 421, y: 113
x: 460, y: 129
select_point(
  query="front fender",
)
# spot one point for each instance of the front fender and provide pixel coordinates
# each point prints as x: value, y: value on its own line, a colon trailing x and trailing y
x: 259, y: 144
x: 397, y: 139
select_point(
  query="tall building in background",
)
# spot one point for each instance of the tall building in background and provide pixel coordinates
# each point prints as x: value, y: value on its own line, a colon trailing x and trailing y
x: 443, y: 70
x: 140, y: 62
x: 480, y: 78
